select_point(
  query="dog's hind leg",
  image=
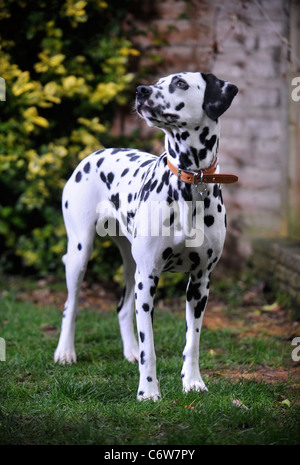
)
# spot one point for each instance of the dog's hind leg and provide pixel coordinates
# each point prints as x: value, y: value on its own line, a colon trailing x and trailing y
x: 126, y: 305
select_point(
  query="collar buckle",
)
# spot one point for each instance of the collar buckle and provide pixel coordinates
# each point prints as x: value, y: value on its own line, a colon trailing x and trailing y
x: 196, y: 179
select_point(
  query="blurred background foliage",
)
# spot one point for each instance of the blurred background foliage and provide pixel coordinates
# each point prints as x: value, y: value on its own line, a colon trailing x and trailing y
x: 66, y: 65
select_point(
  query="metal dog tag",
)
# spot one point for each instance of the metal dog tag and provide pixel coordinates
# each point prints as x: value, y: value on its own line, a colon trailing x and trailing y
x: 201, y: 188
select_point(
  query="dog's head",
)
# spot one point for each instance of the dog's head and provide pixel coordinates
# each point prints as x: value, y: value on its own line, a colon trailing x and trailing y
x: 184, y: 100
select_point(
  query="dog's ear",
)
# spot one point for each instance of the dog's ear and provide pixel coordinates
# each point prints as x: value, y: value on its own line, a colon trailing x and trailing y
x: 218, y: 96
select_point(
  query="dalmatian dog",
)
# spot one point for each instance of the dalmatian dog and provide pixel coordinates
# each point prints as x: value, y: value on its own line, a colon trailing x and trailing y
x: 117, y: 191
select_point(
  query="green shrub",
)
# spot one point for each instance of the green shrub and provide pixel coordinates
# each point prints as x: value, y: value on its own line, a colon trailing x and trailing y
x: 65, y: 66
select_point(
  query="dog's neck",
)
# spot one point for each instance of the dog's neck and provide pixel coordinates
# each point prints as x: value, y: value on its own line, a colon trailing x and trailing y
x: 193, y: 149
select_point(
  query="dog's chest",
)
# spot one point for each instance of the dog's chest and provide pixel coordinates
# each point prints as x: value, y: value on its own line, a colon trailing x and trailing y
x: 147, y: 199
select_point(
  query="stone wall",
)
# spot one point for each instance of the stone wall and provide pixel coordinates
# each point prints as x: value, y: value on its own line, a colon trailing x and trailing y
x: 243, y: 42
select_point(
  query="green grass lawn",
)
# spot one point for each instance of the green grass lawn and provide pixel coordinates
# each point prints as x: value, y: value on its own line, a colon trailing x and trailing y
x: 94, y: 401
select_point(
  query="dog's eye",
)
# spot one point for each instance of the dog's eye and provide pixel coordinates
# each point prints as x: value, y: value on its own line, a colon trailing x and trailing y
x: 181, y: 84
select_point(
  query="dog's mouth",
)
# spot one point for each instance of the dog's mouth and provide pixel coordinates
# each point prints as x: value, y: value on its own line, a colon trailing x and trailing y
x: 155, y: 114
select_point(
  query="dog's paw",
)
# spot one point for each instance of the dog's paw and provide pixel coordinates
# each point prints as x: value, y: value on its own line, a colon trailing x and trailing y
x: 131, y: 357
x: 154, y: 396
x: 132, y: 354
x: 150, y: 392
x: 65, y: 357
x: 194, y: 386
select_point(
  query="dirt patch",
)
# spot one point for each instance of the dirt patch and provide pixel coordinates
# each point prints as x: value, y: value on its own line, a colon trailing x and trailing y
x: 95, y: 296
x: 264, y: 373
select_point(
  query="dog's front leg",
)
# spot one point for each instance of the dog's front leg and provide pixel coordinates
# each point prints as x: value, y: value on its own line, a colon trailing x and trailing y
x: 145, y: 286
x: 197, y: 295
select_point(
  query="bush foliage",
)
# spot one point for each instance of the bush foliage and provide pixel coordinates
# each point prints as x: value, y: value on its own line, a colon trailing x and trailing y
x: 66, y: 66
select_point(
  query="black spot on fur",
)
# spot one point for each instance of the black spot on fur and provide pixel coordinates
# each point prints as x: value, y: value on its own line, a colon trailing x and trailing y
x: 152, y: 290
x: 133, y: 157
x: 202, y: 154
x: 99, y: 162
x: 211, y: 142
x: 203, y: 135
x: 115, y: 200
x: 200, y: 307
x: 208, y: 143
x: 87, y: 168
x: 124, y: 172
x: 78, y: 176
x: 107, y: 179
x: 194, y: 152
x: 146, y: 307
x: 209, y: 220
x: 194, y: 257
x: 171, y: 151
x: 179, y: 106
x: 145, y: 163
x: 216, y: 190
x: 206, y: 202
x: 146, y: 190
x: 153, y: 185
x: 167, y: 253
x: 164, y: 181
x: 142, y: 336
x: 110, y: 178
x: 79, y: 246
x: 185, y: 160
x: 185, y: 135
x: 186, y: 191
x: 193, y: 291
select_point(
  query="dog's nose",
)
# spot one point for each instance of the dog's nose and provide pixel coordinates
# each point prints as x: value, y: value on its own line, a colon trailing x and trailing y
x: 143, y: 92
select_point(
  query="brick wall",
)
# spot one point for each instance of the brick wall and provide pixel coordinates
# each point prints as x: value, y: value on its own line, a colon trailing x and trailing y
x: 278, y: 263
x: 240, y: 41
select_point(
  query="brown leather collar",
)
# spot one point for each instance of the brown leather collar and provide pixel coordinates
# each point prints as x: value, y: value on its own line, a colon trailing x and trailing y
x: 207, y: 175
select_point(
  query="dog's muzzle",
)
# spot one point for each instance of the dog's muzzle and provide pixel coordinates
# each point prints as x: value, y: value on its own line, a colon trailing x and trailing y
x: 154, y: 113
x: 143, y: 93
